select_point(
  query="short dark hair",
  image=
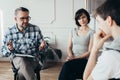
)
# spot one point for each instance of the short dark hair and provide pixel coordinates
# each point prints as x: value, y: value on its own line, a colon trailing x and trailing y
x: 79, y: 13
x: 21, y: 9
x: 109, y: 8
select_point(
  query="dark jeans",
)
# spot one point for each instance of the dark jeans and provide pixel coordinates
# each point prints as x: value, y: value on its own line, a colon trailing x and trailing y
x: 73, y: 69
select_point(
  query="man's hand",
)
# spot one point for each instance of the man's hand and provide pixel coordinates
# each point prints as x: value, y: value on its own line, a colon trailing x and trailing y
x: 42, y: 45
x: 10, y: 45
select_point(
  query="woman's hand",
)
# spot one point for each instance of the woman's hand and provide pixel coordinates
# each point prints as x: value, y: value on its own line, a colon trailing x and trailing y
x: 70, y: 57
x: 99, y: 38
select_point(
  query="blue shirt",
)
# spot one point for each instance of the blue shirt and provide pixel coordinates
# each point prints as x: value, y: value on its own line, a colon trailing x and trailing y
x: 26, y: 42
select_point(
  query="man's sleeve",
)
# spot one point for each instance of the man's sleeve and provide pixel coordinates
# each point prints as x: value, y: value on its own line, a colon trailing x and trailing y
x: 4, y: 50
x: 39, y: 36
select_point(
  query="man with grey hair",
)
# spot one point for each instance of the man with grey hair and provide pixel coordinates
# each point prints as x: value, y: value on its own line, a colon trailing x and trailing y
x: 23, y: 38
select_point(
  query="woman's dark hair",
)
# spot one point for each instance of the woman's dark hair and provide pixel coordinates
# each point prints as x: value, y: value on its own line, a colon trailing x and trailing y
x: 79, y: 13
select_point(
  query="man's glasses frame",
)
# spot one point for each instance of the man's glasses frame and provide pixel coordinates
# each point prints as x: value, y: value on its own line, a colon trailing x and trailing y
x: 25, y: 18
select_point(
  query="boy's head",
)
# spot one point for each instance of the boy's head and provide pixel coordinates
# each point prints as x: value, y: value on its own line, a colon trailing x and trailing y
x: 110, y: 8
x: 108, y: 16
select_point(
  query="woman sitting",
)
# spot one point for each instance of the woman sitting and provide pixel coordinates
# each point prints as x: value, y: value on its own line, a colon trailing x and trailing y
x: 79, y: 47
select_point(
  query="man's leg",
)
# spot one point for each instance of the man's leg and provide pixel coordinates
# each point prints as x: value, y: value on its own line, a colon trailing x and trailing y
x: 20, y: 76
x: 26, y: 67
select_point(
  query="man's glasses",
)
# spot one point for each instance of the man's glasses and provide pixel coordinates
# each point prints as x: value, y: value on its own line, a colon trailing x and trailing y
x: 25, y: 18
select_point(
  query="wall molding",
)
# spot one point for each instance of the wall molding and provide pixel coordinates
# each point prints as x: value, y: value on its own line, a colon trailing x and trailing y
x: 77, y: 4
x: 39, y: 13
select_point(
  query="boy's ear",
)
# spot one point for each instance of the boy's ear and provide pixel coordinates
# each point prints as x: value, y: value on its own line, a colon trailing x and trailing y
x: 109, y: 20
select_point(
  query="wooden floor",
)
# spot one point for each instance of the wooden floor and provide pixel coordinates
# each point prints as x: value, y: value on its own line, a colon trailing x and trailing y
x: 51, y: 73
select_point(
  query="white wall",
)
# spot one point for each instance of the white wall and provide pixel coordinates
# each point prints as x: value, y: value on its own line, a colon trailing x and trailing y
x: 55, y: 17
